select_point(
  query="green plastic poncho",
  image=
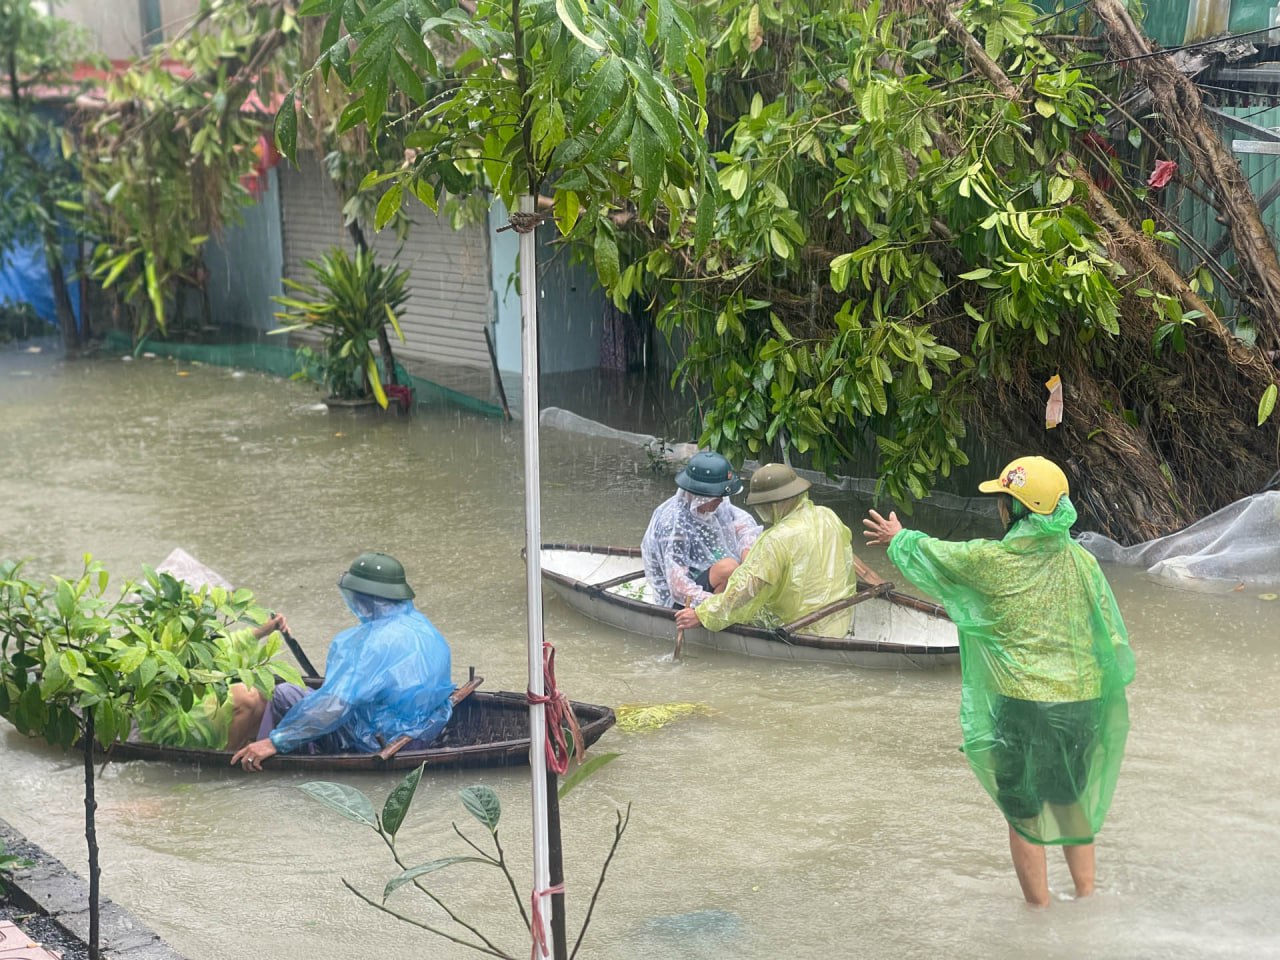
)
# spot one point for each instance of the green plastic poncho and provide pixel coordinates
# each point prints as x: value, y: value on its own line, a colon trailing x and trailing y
x: 798, y: 565
x: 1044, y: 659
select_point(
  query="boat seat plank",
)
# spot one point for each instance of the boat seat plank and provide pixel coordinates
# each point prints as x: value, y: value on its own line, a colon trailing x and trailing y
x: 400, y: 742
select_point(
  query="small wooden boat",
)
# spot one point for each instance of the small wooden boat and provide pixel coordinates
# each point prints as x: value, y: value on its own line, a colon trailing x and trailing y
x: 486, y: 730
x: 887, y: 629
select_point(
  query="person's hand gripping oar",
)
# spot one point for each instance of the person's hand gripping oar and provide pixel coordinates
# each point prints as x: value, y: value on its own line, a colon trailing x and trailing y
x: 686, y: 619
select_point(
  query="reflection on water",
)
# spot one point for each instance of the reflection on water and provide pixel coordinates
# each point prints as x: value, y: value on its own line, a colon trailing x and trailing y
x: 811, y: 812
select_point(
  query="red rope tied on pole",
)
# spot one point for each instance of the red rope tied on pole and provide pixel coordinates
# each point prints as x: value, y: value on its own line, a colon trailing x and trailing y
x: 559, y: 715
x: 535, y: 914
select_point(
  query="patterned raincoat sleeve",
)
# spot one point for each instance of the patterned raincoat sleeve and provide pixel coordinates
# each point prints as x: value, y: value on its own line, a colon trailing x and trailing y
x: 1045, y: 660
x: 745, y: 529
x: 749, y: 592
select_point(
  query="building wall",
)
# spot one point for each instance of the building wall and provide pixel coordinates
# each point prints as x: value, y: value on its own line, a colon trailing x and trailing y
x: 116, y: 27
x: 245, y: 264
x: 450, y: 297
x: 570, y: 304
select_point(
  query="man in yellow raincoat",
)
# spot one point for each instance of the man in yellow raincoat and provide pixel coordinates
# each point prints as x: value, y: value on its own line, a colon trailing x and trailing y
x: 1044, y: 660
x: 801, y: 563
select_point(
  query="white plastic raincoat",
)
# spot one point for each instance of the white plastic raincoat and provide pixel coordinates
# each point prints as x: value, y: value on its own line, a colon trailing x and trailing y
x: 681, y: 543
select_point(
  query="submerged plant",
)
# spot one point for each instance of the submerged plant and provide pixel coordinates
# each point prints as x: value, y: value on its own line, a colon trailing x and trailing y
x: 348, y: 302
x: 483, y: 804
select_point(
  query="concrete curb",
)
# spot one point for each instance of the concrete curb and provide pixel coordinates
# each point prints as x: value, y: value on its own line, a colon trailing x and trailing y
x: 53, y: 890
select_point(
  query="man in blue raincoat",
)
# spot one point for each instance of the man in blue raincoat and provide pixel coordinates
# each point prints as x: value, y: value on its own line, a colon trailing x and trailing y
x: 385, y: 678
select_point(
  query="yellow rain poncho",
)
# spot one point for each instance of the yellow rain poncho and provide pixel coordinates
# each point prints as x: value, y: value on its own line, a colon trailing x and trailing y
x: 799, y: 565
x: 1045, y: 660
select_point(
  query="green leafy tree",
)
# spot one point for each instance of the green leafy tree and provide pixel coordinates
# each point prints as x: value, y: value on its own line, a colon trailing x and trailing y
x: 79, y: 666
x: 164, y: 160
x: 37, y: 169
x: 597, y: 112
x: 873, y: 233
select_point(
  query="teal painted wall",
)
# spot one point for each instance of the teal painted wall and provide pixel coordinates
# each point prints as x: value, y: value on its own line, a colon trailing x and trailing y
x: 245, y: 265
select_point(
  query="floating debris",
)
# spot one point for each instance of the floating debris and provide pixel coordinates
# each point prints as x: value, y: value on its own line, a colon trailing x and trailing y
x: 637, y: 717
x: 34, y: 350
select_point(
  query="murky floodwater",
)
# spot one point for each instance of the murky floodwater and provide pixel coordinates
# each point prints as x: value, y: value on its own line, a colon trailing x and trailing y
x: 813, y: 812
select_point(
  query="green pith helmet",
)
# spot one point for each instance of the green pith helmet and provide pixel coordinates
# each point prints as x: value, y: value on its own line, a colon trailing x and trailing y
x: 774, y: 482
x: 709, y: 475
x: 378, y: 575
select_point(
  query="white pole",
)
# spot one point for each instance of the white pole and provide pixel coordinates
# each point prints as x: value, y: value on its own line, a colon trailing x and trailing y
x: 533, y: 563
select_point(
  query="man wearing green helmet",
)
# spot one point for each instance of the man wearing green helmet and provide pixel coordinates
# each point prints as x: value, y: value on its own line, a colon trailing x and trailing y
x: 387, y: 677
x: 802, y: 562
x: 1044, y: 660
x: 697, y: 538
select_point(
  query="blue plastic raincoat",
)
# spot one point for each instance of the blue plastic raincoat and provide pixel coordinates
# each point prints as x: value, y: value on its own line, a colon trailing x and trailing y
x: 387, y: 677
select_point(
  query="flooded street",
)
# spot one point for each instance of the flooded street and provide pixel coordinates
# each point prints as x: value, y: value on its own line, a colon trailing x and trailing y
x: 808, y: 812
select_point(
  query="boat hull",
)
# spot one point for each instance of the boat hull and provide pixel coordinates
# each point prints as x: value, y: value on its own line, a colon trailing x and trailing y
x: 486, y: 730
x: 893, y: 632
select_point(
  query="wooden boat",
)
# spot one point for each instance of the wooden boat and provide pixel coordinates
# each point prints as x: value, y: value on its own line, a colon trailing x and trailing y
x: 887, y: 629
x: 486, y: 730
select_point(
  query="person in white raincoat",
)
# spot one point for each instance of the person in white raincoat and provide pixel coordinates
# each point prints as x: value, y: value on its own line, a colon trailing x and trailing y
x: 697, y: 538
x: 801, y: 563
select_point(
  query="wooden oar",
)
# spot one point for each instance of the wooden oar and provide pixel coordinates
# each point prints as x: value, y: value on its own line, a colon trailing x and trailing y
x: 299, y: 654
x: 675, y: 654
x: 878, y: 590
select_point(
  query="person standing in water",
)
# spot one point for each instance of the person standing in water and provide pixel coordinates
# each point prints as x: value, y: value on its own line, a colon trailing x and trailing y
x: 1045, y: 660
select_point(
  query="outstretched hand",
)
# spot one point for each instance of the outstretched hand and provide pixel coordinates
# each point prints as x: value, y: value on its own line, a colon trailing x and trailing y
x: 877, y: 529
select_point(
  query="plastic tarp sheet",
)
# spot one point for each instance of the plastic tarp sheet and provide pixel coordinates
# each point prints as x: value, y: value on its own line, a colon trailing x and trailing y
x: 24, y: 278
x: 1238, y: 544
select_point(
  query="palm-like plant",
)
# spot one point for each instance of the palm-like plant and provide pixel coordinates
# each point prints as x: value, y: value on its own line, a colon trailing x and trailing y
x: 349, y: 300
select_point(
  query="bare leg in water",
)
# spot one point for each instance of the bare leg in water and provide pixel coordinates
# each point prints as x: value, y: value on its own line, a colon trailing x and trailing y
x: 1033, y: 872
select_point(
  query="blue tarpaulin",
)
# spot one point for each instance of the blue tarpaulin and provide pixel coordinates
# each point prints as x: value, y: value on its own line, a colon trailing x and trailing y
x: 24, y: 278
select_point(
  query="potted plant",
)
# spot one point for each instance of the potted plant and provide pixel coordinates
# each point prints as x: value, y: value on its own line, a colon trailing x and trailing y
x: 348, y: 302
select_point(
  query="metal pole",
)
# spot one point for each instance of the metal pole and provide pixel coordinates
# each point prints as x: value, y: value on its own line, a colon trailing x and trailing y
x: 533, y: 562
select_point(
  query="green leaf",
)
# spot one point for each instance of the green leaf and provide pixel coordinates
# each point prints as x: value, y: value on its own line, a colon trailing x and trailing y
x: 981, y: 273
x: 414, y: 872
x: 397, y: 805
x: 1045, y: 108
x: 584, y: 771
x: 483, y: 804
x: 286, y: 128
x: 1135, y: 137
x: 348, y: 801
x: 388, y: 206
x: 570, y: 13
x: 1267, y: 404
x: 375, y: 382
x: 606, y: 257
